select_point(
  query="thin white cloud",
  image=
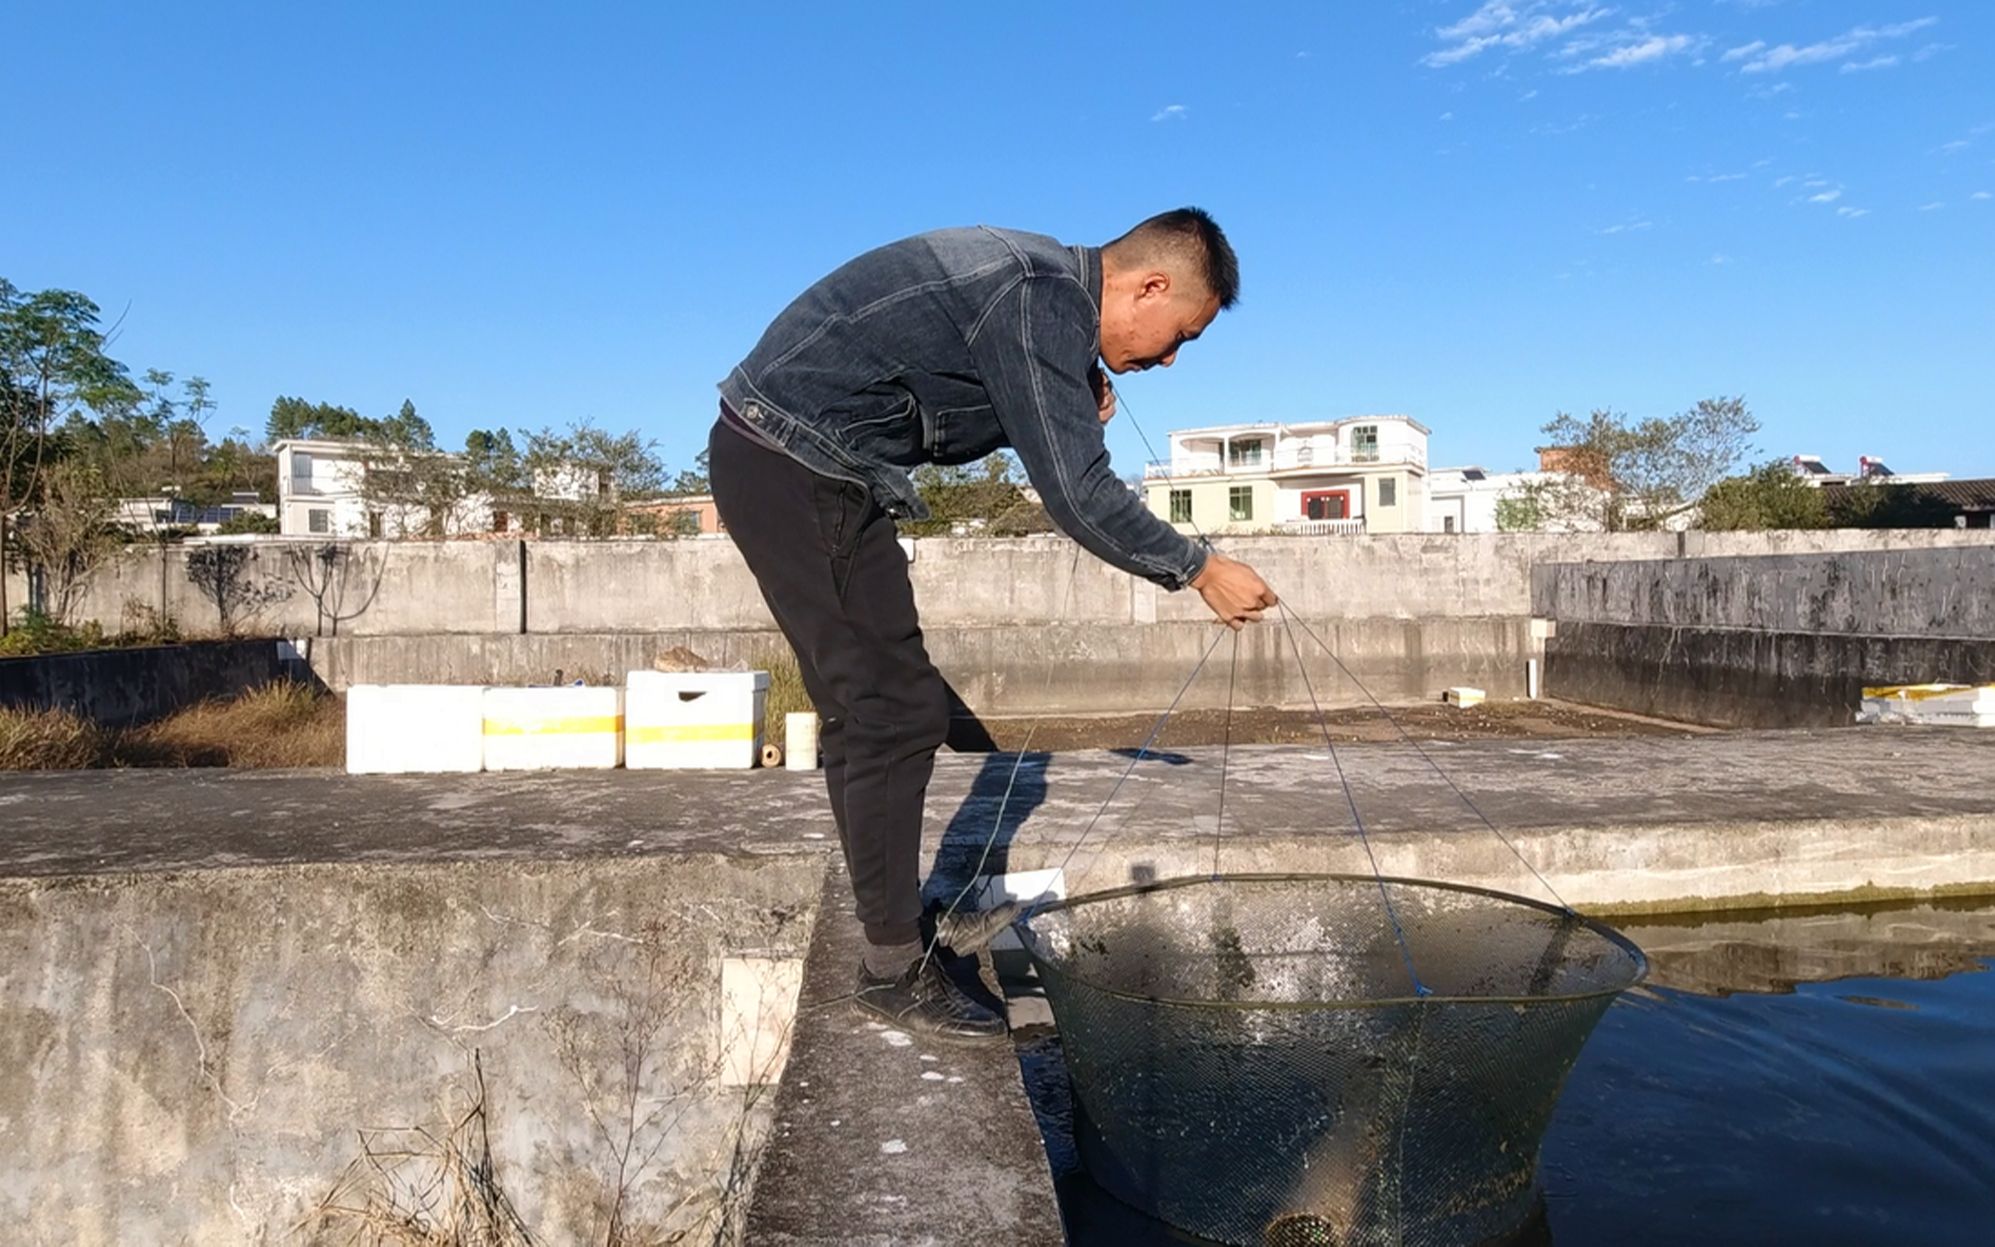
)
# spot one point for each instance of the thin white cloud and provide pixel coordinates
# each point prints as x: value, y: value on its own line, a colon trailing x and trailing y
x: 1847, y: 211
x: 1875, y: 62
x: 1782, y: 181
x: 1720, y: 259
x: 1760, y: 59
x: 1931, y: 50
x: 1826, y: 197
x: 1955, y: 147
x: 1510, y: 24
x: 1653, y: 48
x: 1446, y: 117
x: 1626, y: 228
x: 1717, y: 177
x: 1981, y: 195
x: 1934, y: 206
x: 1170, y: 112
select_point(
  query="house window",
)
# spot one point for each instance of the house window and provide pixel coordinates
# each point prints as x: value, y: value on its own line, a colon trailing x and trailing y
x: 1245, y: 454
x: 499, y: 521
x: 318, y: 521
x: 1180, y: 506
x: 1388, y: 492
x: 374, y: 524
x: 1240, y: 502
x: 1364, y: 444
x: 1447, y: 523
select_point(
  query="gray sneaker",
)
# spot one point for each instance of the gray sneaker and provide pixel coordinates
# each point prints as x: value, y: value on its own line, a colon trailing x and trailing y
x: 924, y: 1001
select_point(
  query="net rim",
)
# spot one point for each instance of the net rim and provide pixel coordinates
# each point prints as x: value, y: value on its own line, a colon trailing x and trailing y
x: 1044, y: 965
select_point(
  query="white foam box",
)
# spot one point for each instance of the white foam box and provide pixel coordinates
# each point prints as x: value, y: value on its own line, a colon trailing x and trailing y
x: 693, y: 719
x: 540, y: 729
x: 404, y: 729
x: 1946, y: 705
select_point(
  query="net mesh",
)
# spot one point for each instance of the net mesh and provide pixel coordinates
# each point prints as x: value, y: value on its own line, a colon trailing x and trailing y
x: 1252, y: 1063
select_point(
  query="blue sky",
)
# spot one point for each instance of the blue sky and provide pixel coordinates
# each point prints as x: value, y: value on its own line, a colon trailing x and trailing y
x: 1475, y: 213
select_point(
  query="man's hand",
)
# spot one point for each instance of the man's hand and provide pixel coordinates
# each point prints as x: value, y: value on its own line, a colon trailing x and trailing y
x: 1104, y: 393
x: 1235, y: 592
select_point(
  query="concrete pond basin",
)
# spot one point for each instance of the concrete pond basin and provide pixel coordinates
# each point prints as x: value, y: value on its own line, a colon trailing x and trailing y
x: 229, y: 1000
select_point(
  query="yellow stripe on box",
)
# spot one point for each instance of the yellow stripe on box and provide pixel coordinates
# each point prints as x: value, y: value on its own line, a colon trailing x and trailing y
x: 1925, y: 692
x: 579, y: 725
x: 688, y: 733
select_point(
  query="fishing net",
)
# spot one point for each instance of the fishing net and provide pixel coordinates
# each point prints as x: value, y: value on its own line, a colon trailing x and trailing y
x: 1322, y: 1059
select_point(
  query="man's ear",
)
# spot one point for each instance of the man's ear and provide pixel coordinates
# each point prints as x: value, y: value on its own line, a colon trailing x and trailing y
x: 1156, y: 285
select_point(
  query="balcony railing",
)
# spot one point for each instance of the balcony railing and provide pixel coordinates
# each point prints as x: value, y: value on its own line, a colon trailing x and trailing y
x: 1285, y: 458
x: 1322, y: 528
x: 304, y: 485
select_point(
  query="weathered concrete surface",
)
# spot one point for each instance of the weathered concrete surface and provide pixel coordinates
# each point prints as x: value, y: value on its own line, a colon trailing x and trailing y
x: 1944, y: 592
x: 210, y: 1057
x: 1014, y: 670
x: 168, y: 1041
x: 122, y: 686
x: 882, y: 1138
x: 476, y: 587
x: 1778, y: 641
x: 1717, y: 819
x: 307, y: 588
x: 1737, y: 677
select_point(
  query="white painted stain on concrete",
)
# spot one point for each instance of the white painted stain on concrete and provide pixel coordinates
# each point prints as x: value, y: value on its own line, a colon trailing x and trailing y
x: 929, y: 1075
x: 896, y: 1039
x: 893, y: 1147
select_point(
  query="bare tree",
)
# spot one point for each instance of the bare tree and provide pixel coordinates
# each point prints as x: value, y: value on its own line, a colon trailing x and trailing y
x: 68, y: 535
x: 341, y: 582
x: 223, y: 575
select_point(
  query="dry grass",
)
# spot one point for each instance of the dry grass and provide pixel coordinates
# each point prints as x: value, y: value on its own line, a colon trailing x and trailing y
x: 786, y: 690
x: 49, y: 740
x: 280, y: 724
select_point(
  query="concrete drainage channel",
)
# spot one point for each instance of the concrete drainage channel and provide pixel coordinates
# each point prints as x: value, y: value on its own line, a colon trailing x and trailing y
x: 302, y: 1000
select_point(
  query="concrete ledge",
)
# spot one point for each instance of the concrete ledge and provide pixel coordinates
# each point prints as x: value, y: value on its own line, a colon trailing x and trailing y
x: 1087, y: 668
x: 881, y: 1138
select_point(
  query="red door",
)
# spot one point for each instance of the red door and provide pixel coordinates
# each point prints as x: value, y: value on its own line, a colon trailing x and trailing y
x: 1326, y: 504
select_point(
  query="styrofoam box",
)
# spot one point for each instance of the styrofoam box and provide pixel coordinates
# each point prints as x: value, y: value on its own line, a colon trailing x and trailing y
x: 1945, y: 705
x: 536, y: 729
x: 693, y: 719
x: 400, y: 729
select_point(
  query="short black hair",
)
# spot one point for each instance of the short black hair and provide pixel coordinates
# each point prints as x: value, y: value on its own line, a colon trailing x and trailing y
x: 1190, y: 237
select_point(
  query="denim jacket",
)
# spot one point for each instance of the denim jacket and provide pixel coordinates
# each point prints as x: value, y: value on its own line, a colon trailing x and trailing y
x: 943, y: 348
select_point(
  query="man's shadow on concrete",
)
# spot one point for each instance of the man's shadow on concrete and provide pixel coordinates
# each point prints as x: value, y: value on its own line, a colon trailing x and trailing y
x: 1009, y: 786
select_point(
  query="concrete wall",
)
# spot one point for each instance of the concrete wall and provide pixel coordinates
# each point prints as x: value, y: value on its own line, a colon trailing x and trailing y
x: 407, y: 588
x: 1784, y: 640
x: 1947, y: 592
x: 1018, y: 669
x: 206, y: 1058
x: 122, y: 686
x: 286, y: 588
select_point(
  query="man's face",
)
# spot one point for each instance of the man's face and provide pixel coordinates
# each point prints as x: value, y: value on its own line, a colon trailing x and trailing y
x: 1145, y: 320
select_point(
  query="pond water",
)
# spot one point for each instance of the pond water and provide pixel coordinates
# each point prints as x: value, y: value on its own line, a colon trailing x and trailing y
x: 1819, y: 1078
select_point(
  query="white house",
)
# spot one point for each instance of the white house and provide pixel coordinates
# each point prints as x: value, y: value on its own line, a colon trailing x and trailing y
x: 1327, y: 477
x: 319, y: 493
x: 1464, y: 500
